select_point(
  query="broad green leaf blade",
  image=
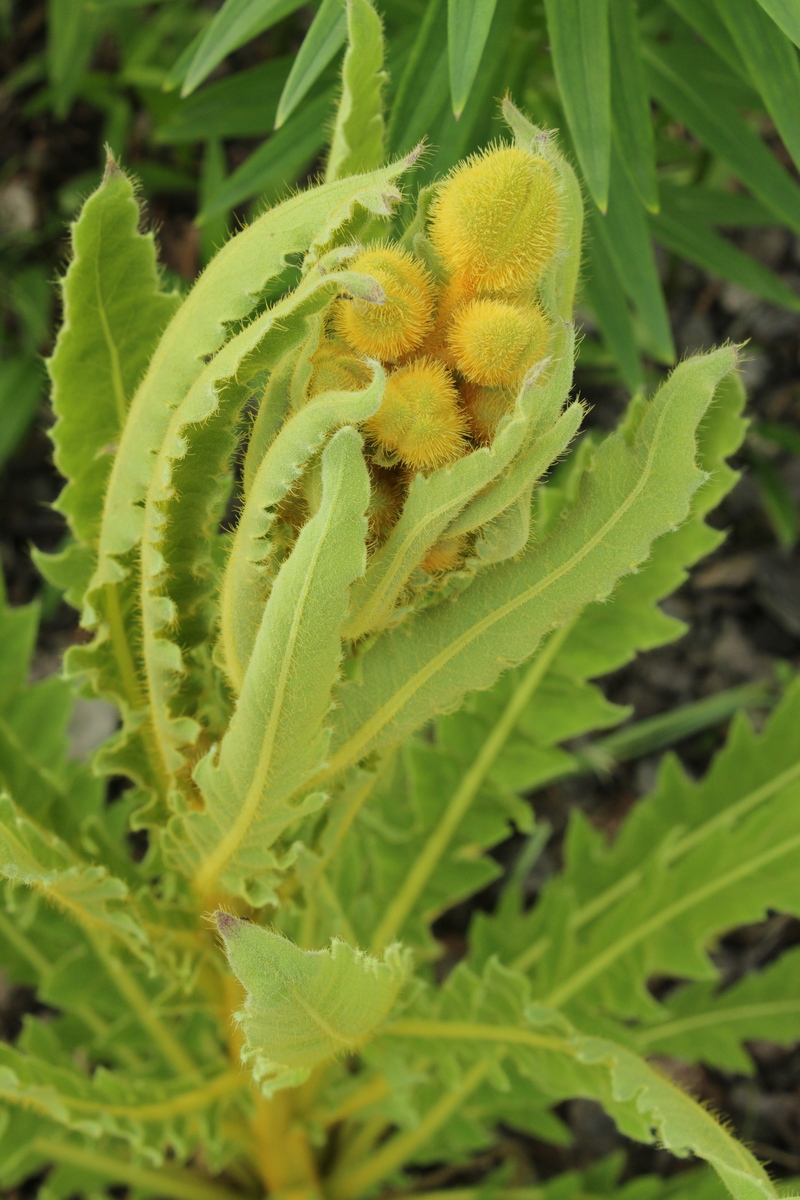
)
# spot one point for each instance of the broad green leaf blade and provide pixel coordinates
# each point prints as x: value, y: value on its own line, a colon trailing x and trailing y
x: 696, y: 241
x: 706, y: 21
x: 606, y: 295
x: 357, y: 143
x: 771, y: 63
x: 786, y: 15
x: 702, y: 1023
x: 236, y: 23
x: 468, y: 24
x: 325, y: 37
x: 414, y: 109
x: 279, y: 160
x: 277, y: 735
x: 630, y: 103
x: 629, y: 244
x: 579, y: 39
x: 633, y: 494
x: 304, y: 1007
x: 114, y: 314
x: 676, y: 79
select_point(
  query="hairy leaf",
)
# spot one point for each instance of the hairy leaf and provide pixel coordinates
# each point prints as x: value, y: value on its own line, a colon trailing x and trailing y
x: 357, y: 143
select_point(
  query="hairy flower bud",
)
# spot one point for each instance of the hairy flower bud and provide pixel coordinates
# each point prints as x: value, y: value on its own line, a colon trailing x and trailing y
x: 496, y: 219
x: 445, y: 555
x: 336, y: 369
x: 420, y: 419
x: 397, y: 327
x: 484, y: 407
x: 493, y: 341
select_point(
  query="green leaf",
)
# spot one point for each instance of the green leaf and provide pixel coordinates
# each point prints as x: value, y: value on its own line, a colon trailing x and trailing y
x: 21, y: 389
x: 579, y: 40
x: 357, y: 143
x: 628, y: 242
x: 784, y: 13
x: 88, y: 894
x: 325, y: 37
x: 236, y: 23
x: 277, y: 736
x: 778, y: 501
x: 114, y: 314
x: 72, y: 30
x: 633, y: 494
x: 703, y: 1024
x: 242, y: 105
x: 630, y: 102
x: 677, y: 75
x: 468, y: 24
x: 414, y: 109
x: 684, y: 234
x: 249, y: 571
x: 279, y: 160
x: 606, y: 295
x: 304, y: 1007
x: 772, y: 65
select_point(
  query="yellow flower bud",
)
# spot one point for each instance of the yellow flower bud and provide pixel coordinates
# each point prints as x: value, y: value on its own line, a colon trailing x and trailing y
x: 494, y: 342
x: 496, y: 219
x: 444, y: 556
x: 336, y: 369
x: 387, y: 492
x: 388, y: 331
x: 484, y: 407
x: 419, y: 419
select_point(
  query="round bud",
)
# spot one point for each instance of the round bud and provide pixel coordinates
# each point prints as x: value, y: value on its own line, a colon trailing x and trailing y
x: 444, y: 556
x: 336, y: 369
x: 419, y: 419
x: 387, y: 492
x: 493, y: 342
x: 484, y: 408
x: 496, y: 218
x: 390, y: 330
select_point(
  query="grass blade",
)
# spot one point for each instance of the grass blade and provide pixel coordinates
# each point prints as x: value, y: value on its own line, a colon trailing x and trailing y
x: 468, y: 23
x: 786, y: 14
x: 326, y: 35
x: 579, y: 41
x: 236, y: 23
x: 630, y: 103
x: 605, y: 294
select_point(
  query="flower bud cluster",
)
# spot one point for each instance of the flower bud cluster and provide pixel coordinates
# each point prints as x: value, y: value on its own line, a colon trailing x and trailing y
x: 456, y: 347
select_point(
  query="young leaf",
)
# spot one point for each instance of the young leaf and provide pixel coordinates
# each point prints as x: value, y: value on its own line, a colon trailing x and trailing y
x: 500, y: 619
x: 468, y: 24
x: 579, y: 40
x: 305, y: 1006
x: 277, y: 735
x: 357, y: 143
x: 325, y: 37
x: 114, y: 314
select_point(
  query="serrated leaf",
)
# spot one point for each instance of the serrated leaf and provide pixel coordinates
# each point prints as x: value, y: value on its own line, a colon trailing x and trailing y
x: 702, y: 1023
x: 325, y: 37
x: 304, y: 1007
x: 500, y: 619
x: 357, y: 142
x: 114, y: 314
x: 579, y: 39
x: 468, y: 24
x: 277, y: 735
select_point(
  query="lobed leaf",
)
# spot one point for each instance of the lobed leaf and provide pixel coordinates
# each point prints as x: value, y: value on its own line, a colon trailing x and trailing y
x: 357, y: 142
